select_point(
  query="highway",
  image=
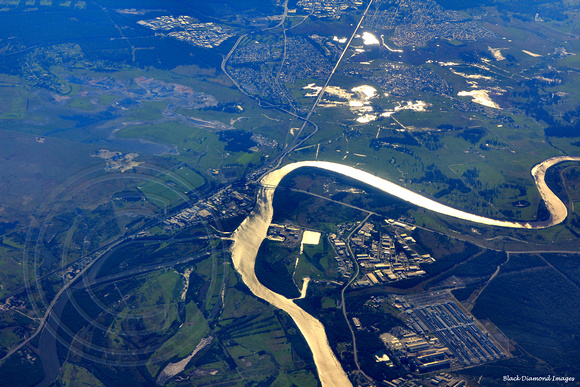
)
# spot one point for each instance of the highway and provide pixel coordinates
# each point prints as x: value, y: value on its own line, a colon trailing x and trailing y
x: 276, y: 162
x: 321, y: 94
x: 350, y: 281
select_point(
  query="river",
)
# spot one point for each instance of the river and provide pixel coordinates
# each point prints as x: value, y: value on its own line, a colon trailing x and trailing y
x: 249, y: 236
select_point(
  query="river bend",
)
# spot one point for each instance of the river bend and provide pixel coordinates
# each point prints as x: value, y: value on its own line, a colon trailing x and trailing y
x: 249, y: 236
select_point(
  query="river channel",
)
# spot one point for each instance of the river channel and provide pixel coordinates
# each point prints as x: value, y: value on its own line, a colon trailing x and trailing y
x: 249, y: 236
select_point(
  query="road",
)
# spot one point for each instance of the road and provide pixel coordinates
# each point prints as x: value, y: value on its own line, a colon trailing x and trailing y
x: 277, y: 161
x: 225, y: 61
x: 333, y: 201
x: 321, y: 94
x: 354, y: 277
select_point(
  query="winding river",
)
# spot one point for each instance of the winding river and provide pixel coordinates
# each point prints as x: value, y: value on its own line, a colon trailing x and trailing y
x: 249, y: 236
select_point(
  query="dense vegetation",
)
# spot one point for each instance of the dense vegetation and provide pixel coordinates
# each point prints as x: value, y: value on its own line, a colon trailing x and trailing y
x: 533, y: 306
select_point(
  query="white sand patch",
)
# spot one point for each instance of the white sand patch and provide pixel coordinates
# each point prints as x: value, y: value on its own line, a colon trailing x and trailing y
x: 186, y: 276
x: 365, y: 91
x: 471, y: 76
x: 60, y: 98
x: 480, y: 97
x: 496, y: 52
x: 366, y: 118
x: 530, y: 53
x: 358, y: 99
x: 418, y: 106
x: 173, y: 369
x: 548, y: 80
x: 561, y: 52
x: 360, y: 103
x: 338, y: 92
x: 480, y: 66
x: 305, y: 282
x: 387, y: 47
x: 312, y: 86
x: 369, y: 39
x: 310, y: 238
x: 117, y: 161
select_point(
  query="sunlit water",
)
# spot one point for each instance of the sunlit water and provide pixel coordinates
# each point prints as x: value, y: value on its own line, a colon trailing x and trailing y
x: 253, y: 230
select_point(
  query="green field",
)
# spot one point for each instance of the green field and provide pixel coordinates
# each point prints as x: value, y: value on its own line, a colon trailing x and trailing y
x: 317, y: 262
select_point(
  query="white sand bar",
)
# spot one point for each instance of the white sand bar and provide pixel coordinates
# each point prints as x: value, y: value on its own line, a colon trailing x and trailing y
x: 531, y: 53
x: 310, y: 237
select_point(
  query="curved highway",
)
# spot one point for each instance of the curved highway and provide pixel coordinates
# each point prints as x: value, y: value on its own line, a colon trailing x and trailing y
x: 249, y: 236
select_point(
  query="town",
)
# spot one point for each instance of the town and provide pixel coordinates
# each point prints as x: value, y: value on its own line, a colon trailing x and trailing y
x: 325, y: 8
x: 416, y: 22
x: 207, y: 35
x: 255, y: 67
x: 438, y: 314
x: 402, y: 80
x: 439, y: 334
x: 226, y: 203
x: 382, y: 256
